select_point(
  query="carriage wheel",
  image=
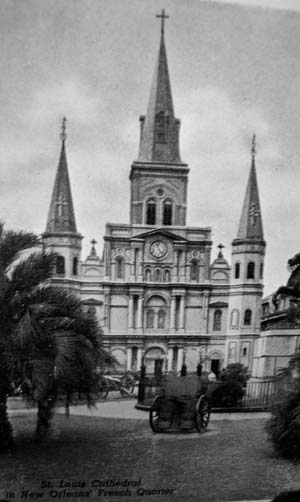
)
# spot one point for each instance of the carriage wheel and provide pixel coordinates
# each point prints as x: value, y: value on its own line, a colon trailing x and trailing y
x: 202, y: 413
x: 154, y: 414
x: 124, y: 392
x: 103, y: 389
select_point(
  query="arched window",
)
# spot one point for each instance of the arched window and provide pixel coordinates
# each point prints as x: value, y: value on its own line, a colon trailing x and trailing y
x: 261, y: 273
x: 251, y: 270
x: 148, y: 274
x: 247, y: 317
x: 217, y: 320
x: 167, y: 275
x: 265, y: 309
x: 237, y: 270
x: 156, y: 313
x: 158, y: 275
x: 161, y: 127
x: 151, y: 212
x: 194, y: 271
x: 167, y: 212
x: 161, y: 321
x: 75, y: 266
x: 60, y: 265
x: 150, y: 319
x: 120, y: 268
x: 234, y: 318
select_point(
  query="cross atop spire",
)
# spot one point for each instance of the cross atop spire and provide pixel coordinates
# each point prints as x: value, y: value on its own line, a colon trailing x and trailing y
x: 63, y: 135
x: 220, y: 254
x: 253, y: 146
x: 93, y: 250
x: 163, y: 17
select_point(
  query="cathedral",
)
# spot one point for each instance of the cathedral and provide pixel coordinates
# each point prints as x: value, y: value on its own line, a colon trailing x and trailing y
x: 155, y: 290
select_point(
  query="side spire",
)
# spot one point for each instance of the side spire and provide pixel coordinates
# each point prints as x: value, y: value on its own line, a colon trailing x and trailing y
x: 160, y: 129
x: 61, y: 217
x: 251, y: 222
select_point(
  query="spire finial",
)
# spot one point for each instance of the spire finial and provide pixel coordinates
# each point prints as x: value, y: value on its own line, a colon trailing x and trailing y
x: 93, y: 250
x: 220, y: 246
x: 162, y: 16
x: 63, y: 135
x: 253, y: 146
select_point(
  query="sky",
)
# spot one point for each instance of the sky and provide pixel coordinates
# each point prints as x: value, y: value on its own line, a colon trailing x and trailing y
x: 234, y: 69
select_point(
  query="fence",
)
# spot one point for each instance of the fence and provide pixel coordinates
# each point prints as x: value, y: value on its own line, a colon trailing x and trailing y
x: 256, y: 395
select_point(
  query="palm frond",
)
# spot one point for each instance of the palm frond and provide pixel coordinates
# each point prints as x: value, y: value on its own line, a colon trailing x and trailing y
x: 12, y: 243
x: 30, y: 272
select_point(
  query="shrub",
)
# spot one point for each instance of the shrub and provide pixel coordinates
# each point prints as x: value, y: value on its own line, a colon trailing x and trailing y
x: 231, y: 388
x: 227, y: 394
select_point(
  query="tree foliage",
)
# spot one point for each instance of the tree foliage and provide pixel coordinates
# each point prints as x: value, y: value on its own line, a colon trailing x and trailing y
x: 49, y: 343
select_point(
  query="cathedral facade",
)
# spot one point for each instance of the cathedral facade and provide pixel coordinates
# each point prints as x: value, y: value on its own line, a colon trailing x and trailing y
x: 155, y: 290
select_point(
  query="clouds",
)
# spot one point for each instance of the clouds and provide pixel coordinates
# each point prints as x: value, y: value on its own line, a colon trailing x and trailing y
x: 233, y: 71
x: 216, y: 140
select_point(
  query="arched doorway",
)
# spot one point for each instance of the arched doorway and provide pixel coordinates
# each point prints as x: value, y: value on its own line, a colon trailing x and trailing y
x: 155, y: 361
x: 216, y: 362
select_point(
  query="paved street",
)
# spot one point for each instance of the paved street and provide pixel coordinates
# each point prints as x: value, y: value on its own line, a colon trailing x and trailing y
x: 231, y: 461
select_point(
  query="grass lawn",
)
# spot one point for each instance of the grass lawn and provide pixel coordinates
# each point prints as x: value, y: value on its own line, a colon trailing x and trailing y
x: 232, y: 461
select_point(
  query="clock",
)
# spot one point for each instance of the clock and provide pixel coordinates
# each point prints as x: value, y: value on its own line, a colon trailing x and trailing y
x: 158, y: 249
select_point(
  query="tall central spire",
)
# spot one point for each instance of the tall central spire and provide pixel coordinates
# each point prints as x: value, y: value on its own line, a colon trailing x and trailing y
x: 160, y: 129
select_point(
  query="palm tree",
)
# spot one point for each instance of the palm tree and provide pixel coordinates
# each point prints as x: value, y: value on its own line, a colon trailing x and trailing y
x: 49, y: 343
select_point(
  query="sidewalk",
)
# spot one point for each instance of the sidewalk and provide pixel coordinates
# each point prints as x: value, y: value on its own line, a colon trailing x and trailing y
x: 125, y: 409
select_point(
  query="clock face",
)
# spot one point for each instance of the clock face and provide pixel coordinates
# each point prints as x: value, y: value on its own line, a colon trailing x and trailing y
x: 158, y: 249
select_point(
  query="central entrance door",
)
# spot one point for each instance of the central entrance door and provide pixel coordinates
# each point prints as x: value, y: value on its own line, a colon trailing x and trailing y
x: 158, y: 365
x: 154, y: 361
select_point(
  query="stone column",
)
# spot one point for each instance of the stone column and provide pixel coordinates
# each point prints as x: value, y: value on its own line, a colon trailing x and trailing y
x: 139, y: 266
x: 139, y: 358
x: 180, y: 359
x: 129, y: 358
x: 182, y: 312
x: 205, y: 304
x: 170, y: 358
x: 175, y: 267
x: 182, y: 267
x: 173, y: 312
x: 107, y: 309
x: 132, y: 264
x: 140, y: 312
x: 130, y: 312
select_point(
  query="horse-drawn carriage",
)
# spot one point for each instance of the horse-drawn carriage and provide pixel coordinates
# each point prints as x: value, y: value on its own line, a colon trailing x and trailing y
x: 124, y: 384
x: 181, y: 405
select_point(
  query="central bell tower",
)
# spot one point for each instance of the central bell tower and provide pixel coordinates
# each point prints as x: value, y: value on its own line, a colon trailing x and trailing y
x: 159, y: 178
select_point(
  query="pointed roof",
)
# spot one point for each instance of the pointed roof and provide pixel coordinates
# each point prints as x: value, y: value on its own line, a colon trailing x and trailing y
x: 160, y: 129
x: 61, y: 217
x: 161, y: 231
x: 251, y: 222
